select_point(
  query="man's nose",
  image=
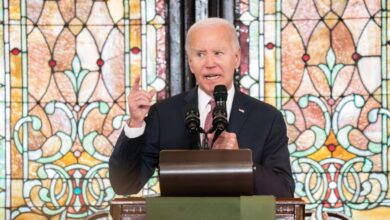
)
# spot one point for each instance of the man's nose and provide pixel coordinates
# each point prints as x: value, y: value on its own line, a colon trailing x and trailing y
x: 210, y: 61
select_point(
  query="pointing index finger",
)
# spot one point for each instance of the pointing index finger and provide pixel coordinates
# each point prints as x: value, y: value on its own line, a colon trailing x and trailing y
x: 136, y: 83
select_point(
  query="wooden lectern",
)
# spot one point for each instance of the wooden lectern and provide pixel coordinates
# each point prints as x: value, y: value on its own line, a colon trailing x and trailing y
x: 204, y: 173
x: 135, y: 209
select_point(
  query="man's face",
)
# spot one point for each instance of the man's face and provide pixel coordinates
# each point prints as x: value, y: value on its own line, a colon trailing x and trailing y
x: 212, y: 57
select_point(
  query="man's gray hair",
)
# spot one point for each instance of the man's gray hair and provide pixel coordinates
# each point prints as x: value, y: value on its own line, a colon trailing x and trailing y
x: 209, y: 22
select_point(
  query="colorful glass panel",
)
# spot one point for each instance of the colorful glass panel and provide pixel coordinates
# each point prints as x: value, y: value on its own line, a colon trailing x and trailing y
x: 64, y: 80
x: 68, y: 65
x: 324, y: 65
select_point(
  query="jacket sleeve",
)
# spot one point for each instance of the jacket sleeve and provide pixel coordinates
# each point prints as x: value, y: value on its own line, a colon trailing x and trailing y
x: 273, y: 176
x: 134, y: 160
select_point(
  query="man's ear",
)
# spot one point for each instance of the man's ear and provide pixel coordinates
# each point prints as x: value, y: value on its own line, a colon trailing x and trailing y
x: 238, y: 58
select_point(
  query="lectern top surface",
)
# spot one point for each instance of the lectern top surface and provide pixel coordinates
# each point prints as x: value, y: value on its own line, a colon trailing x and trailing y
x: 206, y: 172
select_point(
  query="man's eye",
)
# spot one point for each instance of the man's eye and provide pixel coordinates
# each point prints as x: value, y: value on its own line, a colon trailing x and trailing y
x: 218, y: 53
x: 200, y: 54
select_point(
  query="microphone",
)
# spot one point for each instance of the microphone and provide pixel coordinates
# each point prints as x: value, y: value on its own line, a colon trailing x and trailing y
x: 192, y: 120
x: 220, y: 121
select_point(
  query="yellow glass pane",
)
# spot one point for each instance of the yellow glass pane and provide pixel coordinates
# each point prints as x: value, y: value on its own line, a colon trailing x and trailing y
x: 135, y: 9
x: 14, y: 9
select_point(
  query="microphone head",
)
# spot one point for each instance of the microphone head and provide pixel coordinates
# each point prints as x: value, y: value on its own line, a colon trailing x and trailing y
x: 220, y: 93
x: 220, y: 122
x: 219, y: 113
x: 191, y: 119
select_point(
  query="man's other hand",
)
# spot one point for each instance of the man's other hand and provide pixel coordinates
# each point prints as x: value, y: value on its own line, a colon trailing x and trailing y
x: 227, y: 141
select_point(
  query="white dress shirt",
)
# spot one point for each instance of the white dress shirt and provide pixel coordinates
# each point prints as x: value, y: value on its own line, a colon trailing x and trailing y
x: 203, y: 106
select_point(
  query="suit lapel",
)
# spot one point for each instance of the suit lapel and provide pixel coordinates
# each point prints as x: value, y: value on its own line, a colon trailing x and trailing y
x: 238, y: 113
x: 192, y: 96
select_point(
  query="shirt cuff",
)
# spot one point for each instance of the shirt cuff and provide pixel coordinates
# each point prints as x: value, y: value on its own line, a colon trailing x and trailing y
x: 134, y: 132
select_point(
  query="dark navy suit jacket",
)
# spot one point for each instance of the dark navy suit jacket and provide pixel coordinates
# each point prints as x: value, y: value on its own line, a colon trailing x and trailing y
x: 258, y: 126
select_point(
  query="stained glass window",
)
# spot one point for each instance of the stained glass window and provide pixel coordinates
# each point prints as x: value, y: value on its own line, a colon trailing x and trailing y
x: 65, y: 76
x: 324, y: 65
x: 67, y: 67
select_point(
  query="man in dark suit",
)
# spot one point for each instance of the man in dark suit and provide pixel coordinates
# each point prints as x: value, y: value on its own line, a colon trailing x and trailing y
x: 213, y: 54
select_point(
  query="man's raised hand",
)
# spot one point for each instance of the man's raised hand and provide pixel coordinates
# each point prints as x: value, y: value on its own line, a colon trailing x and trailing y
x: 139, y: 103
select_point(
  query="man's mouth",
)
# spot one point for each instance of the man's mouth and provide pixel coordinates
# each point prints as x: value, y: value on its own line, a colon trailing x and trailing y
x: 212, y: 76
